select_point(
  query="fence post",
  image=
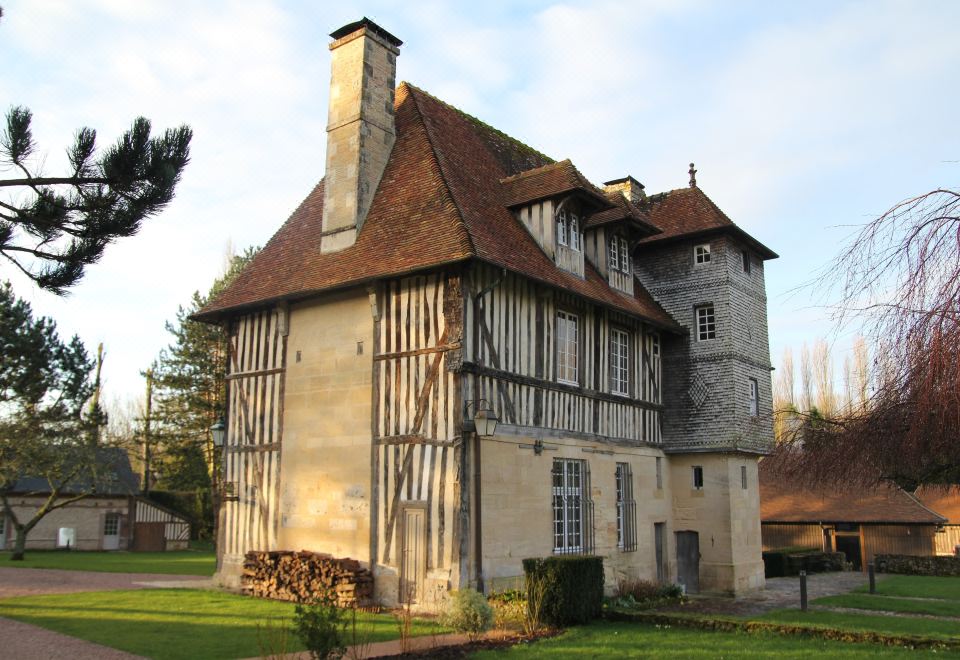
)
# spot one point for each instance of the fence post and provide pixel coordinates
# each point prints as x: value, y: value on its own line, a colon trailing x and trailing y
x: 803, y: 591
x: 871, y: 571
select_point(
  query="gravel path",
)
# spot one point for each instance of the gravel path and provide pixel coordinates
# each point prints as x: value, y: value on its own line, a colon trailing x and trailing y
x: 779, y: 593
x: 36, y: 581
x: 27, y: 642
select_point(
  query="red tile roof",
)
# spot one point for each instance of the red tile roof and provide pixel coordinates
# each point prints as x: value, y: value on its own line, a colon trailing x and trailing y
x: 550, y: 181
x: 622, y: 209
x: 688, y: 212
x: 784, y: 500
x: 440, y: 201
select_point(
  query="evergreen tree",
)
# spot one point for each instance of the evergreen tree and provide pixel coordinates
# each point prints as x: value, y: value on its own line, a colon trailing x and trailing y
x: 51, y: 227
x: 45, y: 433
x: 190, y: 393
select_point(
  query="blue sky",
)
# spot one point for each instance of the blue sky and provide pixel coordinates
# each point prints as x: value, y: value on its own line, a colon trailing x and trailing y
x: 804, y: 119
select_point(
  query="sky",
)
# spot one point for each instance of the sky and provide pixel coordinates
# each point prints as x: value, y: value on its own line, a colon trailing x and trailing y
x: 804, y: 120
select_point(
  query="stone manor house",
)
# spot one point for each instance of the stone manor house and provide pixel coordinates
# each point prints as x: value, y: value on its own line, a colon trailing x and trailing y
x: 441, y: 274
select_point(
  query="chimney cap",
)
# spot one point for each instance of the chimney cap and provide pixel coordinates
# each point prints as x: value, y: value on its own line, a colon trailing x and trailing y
x: 369, y: 25
x: 624, y: 179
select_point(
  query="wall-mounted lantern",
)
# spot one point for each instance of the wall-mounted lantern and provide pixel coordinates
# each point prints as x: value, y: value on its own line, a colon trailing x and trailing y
x: 484, y: 420
x: 219, y: 433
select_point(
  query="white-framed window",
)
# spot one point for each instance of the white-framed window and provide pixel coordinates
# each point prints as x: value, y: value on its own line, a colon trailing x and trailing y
x: 745, y: 256
x: 111, y: 524
x: 754, y: 408
x: 743, y: 477
x: 619, y: 362
x: 701, y: 254
x: 626, y: 509
x: 618, y: 254
x: 706, y: 323
x: 698, y: 477
x: 659, y: 473
x: 655, y: 345
x: 568, y: 344
x: 572, y: 508
x: 568, y: 229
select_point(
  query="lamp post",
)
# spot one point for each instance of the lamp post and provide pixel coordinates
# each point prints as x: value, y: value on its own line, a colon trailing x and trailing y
x: 218, y: 433
x: 484, y: 423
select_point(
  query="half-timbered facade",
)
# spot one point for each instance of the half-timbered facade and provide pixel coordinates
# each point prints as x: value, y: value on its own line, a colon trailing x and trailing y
x: 441, y: 268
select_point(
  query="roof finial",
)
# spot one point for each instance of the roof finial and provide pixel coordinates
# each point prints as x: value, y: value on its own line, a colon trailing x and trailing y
x: 693, y: 176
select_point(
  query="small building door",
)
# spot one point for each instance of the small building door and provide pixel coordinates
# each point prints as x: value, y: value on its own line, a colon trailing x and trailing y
x: 688, y: 561
x: 111, y: 531
x: 412, y: 556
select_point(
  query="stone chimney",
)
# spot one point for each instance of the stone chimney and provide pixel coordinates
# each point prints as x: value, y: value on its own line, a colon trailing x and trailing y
x: 630, y: 187
x: 360, y: 128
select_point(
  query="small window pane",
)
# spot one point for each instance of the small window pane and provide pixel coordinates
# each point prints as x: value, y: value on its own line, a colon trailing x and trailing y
x: 619, y: 362
x: 746, y: 262
x: 614, y: 254
x: 743, y: 477
x: 701, y: 254
x: 698, y: 477
x: 706, y: 323
x: 562, y: 227
x: 753, y: 397
x: 659, y: 473
x: 567, y: 347
x: 574, y: 231
x: 624, y: 256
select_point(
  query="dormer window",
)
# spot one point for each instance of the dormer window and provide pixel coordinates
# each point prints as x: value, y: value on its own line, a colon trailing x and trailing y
x: 701, y: 254
x: 618, y: 253
x: 568, y: 229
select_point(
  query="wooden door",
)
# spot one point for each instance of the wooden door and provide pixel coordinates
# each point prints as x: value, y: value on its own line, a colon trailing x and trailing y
x: 412, y: 557
x: 659, y: 541
x: 149, y: 537
x: 688, y: 561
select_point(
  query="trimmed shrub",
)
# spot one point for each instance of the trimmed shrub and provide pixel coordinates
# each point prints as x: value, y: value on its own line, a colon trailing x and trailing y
x: 634, y: 594
x: 468, y: 612
x: 915, y: 565
x: 572, y: 587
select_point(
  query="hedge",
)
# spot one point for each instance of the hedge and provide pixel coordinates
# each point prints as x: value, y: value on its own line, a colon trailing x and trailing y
x: 913, y: 565
x: 572, y: 588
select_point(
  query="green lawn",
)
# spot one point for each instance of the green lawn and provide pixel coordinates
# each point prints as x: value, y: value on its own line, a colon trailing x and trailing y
x: 636, y: 640
x: 917, y: 586
x: 169, y: 624
x: 893, y: 604
x: 182, y: 562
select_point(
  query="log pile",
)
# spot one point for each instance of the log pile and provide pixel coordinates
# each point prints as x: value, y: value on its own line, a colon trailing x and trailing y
x: 301, y: 576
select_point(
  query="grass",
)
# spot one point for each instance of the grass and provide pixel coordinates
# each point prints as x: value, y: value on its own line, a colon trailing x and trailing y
x: 634, y: 640
x: 893, y: 604
x: 181, y: 562
x: 879, y: 623
x: 170, y: 624
x: 917, y: 586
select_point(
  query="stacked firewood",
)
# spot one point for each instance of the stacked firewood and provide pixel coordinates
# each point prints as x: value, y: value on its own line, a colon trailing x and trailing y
x: 302, y: 576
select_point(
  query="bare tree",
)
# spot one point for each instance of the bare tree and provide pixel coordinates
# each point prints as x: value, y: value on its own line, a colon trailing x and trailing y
x: 899, y: 278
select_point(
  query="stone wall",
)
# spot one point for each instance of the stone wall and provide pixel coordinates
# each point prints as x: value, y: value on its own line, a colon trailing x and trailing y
x: 86, y: 517
x: 911, y: 565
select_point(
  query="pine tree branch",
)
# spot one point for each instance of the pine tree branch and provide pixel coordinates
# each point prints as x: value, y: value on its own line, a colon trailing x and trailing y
x: 54, y: 181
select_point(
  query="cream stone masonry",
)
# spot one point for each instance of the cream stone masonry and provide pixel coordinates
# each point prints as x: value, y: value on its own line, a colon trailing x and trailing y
x: 360, y: 129
x: 325, y: 491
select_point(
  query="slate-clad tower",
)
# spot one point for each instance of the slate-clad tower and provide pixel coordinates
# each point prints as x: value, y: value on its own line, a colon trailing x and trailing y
x: 709, y: 275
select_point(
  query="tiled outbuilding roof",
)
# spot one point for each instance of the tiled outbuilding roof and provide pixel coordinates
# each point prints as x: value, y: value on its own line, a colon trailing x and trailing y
x: 440, y: 201
x: 943, y: 500
x: 784, y: 500
x: 687, y: 213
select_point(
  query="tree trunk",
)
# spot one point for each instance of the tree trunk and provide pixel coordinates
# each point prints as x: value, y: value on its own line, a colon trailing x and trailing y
x: 20, y: 544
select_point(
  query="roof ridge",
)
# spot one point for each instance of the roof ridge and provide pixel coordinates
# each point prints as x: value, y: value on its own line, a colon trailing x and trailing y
x: 917, y: 501
x: 477, y: 120
x: 465, y: 233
